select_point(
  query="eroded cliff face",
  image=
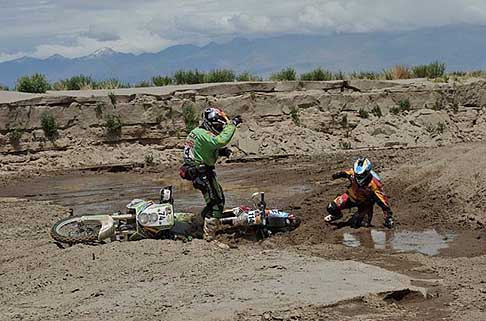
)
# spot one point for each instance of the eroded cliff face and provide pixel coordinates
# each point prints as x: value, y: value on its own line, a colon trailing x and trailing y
x: 279, y: 118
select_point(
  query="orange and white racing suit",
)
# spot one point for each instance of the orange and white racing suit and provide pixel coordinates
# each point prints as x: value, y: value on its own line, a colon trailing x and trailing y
x: 363, y: 197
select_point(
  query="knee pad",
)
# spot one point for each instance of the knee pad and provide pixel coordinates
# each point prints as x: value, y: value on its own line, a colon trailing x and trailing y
x: 332, y: 209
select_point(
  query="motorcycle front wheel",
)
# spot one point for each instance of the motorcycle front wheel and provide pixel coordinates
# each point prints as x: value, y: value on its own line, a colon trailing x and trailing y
x: 72, y: 230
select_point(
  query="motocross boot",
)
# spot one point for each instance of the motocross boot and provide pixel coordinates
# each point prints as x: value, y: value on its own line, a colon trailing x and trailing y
x: 389, y: 223
x: 356, y: 221
x: 334, y: 213
x: 211, y: 226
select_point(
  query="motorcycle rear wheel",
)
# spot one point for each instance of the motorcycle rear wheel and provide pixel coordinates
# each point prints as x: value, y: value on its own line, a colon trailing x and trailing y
x: 72, y: 230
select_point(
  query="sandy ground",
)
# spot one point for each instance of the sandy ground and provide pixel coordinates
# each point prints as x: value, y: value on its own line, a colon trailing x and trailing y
x: 308, y: 274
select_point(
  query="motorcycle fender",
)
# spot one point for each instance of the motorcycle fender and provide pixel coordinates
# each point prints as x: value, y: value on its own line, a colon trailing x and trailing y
x: 107, y: 225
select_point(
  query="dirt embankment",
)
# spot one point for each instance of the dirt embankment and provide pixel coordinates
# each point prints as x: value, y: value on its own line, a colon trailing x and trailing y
x: 280, y: 118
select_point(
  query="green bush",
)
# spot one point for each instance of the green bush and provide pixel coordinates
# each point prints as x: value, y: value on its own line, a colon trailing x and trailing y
x: 433, y: 70
x: 49, y: 126
x: 149, y: 159
x: 59, y: 85
x: 219, y: 75
x: 4, y: 88
x: 75, y: 83
x: 345, y: 145
x: 395, y: 110
x: 286, y: 74
x: 294, y: 114
x: 344, y: 121
x: 190, y: 117
x: 143, y: 83
x: 161, y: 81
x: 437, y: 129
x: 377, y: 111
x: 363, y: 113
x: 441, y: 127
x: 246, y: 76
x: 113, y: 125
x: 112, y: 97
x: 318, y: 74
x: 404, y: 105
x: 388, y: 74
x: 14, y: 137
x: 182, y: 77
x: 339, y: 75
x: 110, y: 84
x: 420, y: 71
x: 99, y: 109
x: 37, y: 83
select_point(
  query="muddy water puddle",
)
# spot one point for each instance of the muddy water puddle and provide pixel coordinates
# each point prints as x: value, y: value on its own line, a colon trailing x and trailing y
x: 109, y: 192
x: 428, y: 242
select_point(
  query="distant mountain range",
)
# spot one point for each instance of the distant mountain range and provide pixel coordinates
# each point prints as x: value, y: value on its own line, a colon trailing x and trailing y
x: 460, y: 47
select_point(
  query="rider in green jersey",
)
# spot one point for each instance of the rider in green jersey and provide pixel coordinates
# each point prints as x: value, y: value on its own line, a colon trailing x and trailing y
x: 202, y: 148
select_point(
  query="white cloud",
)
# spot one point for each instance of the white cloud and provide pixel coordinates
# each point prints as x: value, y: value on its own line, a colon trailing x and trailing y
x: 6, y: 56
x: 75, y: 28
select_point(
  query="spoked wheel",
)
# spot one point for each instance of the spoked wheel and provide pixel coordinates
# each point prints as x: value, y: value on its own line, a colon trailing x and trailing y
x: 73, y: 230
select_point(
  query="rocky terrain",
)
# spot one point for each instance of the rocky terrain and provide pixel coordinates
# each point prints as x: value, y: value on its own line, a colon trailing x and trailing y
x: 428, y: 146
x: 281, y: 118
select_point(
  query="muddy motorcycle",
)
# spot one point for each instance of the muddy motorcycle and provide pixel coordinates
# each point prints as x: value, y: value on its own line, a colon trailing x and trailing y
x: 147, y: 219
x: 265, y: 221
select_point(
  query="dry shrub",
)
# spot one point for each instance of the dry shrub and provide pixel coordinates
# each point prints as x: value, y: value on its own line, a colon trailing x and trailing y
x: 401, y: 72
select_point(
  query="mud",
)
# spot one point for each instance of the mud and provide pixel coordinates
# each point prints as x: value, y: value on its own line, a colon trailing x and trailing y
x: 428, y: 242
x: 308, y: 274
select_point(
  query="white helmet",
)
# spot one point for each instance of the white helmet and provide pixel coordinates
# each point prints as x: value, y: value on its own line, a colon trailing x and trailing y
x: 362, y: 170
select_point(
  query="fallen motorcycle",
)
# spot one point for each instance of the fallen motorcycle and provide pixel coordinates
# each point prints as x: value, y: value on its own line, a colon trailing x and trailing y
x: 265, y: 221
x: 146, y: 219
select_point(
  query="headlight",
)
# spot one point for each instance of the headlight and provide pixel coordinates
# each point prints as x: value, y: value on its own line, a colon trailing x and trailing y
x: 143, y: 218
x: 153, y: 218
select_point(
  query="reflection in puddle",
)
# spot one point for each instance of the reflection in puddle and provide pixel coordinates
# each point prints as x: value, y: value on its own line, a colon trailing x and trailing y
x: 428, y: 242
x: 110, y: 192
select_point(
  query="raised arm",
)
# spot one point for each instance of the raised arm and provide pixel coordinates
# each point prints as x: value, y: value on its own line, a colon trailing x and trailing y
x: 223, y: 139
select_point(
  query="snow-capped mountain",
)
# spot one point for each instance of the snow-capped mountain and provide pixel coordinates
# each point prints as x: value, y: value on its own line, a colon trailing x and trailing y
x: 460, y: 47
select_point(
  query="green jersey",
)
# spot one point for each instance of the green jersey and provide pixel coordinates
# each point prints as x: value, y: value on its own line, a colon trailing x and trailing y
x: 201, y: 146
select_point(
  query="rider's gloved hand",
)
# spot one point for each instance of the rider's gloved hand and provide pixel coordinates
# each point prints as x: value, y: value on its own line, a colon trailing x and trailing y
x: 336, y: 175
x: 225, y: 152
x: 236, y: 120
x: 389, y: 223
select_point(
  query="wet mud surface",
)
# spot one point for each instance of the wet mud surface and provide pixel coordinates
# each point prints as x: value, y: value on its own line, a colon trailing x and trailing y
x: 433, y: 249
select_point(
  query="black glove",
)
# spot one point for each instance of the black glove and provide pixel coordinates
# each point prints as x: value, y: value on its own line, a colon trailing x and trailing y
x: 389, y: 223
x: 236, y: 120
x: 225, y: 152
x: 337, y: 175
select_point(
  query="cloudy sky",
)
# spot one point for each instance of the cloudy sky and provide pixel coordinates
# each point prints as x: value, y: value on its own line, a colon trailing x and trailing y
x: 78, y: 27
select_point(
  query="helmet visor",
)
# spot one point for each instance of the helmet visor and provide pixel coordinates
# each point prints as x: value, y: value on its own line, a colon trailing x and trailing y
x: 362, y: 178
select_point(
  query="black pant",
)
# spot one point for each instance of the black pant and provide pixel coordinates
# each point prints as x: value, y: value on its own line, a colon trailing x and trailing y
x: 212, y: 192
